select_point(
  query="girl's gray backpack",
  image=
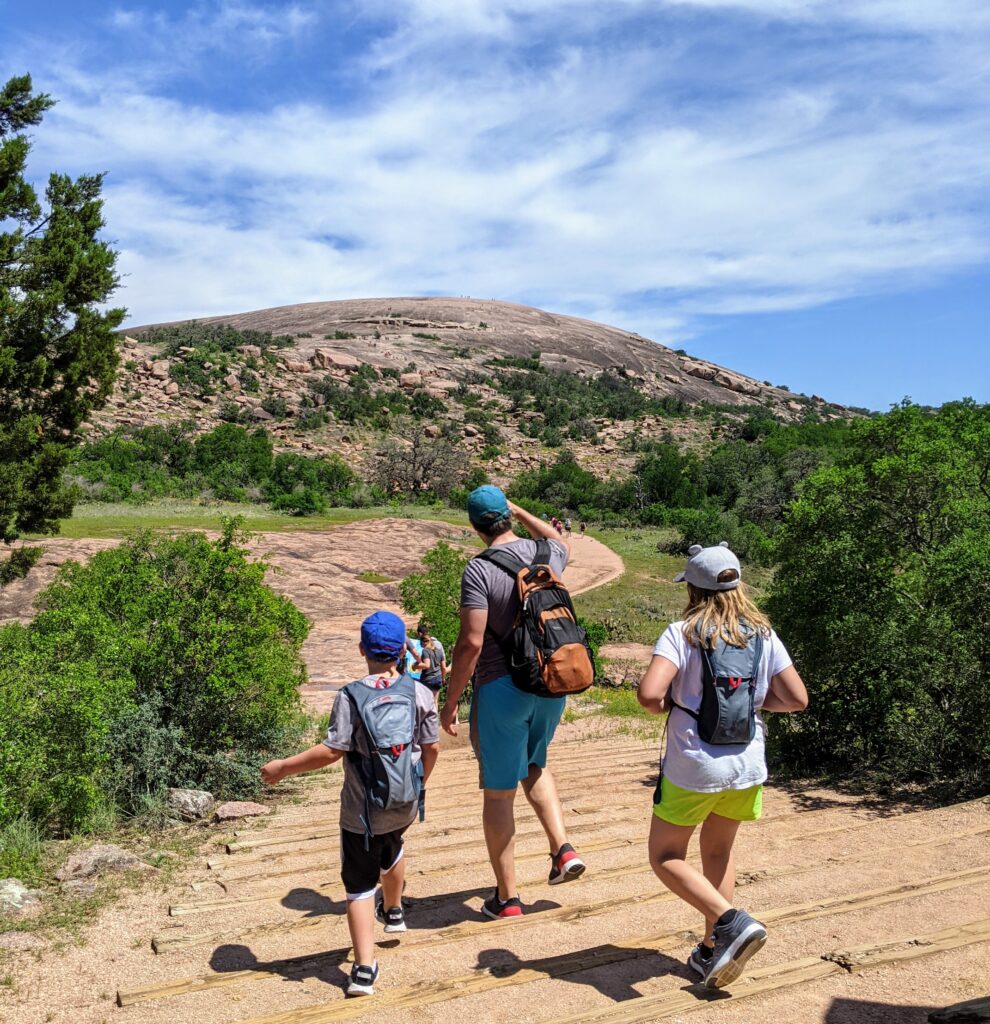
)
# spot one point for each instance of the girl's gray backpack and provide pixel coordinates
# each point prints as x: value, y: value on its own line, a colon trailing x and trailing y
x: 390, y: 777
x: 727, y: 716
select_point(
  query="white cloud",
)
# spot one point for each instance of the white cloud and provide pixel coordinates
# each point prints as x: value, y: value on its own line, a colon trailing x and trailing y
x: 609, y: 178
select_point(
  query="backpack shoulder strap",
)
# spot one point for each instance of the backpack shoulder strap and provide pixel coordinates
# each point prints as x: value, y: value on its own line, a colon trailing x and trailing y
x: 543, y: 552
x: 505, y: 560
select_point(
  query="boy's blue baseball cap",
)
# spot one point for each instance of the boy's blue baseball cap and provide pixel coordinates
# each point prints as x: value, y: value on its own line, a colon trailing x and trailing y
x: 487, y: 506
x: 382, y: 635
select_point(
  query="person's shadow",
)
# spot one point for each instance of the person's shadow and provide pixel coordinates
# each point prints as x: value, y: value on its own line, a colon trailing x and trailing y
x: 324, y: 966
x: 611, y: 970
x: 446, y: 910
x: 312, y: 903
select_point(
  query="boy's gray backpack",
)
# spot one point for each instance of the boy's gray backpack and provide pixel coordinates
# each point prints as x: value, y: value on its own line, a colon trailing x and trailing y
x: 390, y: 777
x: 727, y: 715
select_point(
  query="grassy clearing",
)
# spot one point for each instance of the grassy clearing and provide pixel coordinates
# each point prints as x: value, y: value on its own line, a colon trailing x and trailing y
x: 119, y: 520
x: 373, y: 577
x: 637, y: 607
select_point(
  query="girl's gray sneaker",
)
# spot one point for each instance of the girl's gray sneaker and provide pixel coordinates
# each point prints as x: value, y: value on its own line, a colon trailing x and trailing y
x: 735, y: 942
x: 698, y: 962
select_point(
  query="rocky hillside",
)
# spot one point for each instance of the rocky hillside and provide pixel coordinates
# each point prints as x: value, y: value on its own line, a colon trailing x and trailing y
x: 457, y: 354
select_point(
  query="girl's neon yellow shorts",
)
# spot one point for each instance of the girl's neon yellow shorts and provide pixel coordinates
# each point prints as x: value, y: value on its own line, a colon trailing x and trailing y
x: 685, y: 807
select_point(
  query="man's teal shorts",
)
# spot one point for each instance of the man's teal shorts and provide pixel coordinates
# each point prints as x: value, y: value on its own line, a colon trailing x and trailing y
x: 511, y: 730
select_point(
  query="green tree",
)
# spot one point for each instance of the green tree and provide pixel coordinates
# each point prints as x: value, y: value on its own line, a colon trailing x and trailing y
x: 58, y: 354
x: 435, y: 593
x: 882, y: 594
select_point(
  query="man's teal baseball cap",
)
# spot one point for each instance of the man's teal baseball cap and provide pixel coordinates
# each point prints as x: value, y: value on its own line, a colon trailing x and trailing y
x: 487, y: 506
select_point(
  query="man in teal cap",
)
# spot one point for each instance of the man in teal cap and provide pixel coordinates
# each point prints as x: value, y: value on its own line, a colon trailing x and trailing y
x: 510, y: 729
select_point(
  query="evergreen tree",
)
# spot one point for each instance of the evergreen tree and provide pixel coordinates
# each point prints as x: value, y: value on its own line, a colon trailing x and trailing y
x: 58, y: 355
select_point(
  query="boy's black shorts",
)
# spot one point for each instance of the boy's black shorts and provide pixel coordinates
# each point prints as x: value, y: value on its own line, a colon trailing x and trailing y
x: 360, y: 869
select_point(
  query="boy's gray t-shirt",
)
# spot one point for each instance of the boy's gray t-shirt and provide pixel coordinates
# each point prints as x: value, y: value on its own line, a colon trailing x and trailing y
x: 345, y: 734
x: 487, y: 586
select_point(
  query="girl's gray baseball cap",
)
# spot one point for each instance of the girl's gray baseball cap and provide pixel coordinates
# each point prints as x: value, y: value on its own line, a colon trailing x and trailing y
x: 706, y: 565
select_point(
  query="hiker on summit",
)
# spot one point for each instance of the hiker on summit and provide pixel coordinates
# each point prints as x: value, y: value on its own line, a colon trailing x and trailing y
x: 713, y: 673
x: 384, y: 726
x: 510, y: 729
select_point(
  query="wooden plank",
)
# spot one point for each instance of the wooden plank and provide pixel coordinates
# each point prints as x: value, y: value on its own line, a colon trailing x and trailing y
x: 785, y: 975
x: 650, y: 1008
x: 559, y: 966
x: 861, y: 958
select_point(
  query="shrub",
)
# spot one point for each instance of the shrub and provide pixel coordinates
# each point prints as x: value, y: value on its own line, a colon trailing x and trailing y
x: 435, y: 593
x: 881, y: 596
x: 165, y: 661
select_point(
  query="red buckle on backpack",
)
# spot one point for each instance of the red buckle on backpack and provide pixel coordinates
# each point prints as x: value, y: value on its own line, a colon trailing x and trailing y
x: 397, y: 750
x: 734, y: 681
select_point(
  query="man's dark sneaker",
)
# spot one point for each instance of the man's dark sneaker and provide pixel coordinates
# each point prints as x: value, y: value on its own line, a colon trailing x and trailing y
x: 496, y: 908
x: 698, y: 962
x: 565, y: 865
x: 362, y: 980
x: 735, y: 942
x: 393, y: 918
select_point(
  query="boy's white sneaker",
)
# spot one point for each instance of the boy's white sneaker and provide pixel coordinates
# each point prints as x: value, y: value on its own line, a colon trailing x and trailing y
x: 394, y: 919
x: 362, y: 980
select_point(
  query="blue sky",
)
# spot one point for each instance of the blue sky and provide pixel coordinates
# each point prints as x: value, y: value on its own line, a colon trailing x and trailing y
x: 798, y: 189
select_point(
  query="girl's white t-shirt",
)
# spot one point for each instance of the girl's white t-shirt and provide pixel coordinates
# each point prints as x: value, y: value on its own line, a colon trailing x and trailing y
x: 689, y: 762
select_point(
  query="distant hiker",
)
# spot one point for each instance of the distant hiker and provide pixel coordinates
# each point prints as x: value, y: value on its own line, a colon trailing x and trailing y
x: 567, y: 526
x: 432, y: 661
x: 391, y: 745
x: 510, y: 729
x: 584, y: 526
x: 714, y: 672
x: 410, y: 661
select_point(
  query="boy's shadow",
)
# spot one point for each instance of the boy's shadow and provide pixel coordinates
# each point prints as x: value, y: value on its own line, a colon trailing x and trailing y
x: 325, y: 966
x: 313, y: 903
x: 614, y: 978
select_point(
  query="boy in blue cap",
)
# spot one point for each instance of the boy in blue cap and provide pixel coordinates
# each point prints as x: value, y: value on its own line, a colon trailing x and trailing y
x: 367, y: 860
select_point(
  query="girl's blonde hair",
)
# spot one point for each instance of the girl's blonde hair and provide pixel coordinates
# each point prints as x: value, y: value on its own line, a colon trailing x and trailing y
x: 726, y: 614
x: 423, y: 629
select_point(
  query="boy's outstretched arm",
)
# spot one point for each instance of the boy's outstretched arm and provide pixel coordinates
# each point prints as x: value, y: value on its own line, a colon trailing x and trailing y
x: 318, y: 756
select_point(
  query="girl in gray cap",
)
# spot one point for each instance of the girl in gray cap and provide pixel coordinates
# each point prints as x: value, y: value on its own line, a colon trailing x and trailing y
x: 713, y: 673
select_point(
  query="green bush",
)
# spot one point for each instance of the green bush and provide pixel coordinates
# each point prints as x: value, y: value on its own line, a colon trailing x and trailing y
x: 163, y: 662
x: 881, y: 595
x: 435, y: 593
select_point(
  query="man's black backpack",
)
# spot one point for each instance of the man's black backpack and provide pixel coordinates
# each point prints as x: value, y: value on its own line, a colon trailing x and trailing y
x: 546, y: 650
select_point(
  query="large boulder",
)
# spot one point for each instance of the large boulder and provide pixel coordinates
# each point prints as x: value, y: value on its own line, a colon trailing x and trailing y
x: 327, y: 359
x: 190, y: 804
x: 102, y: 859
x: 159, y: 369
x: 410, y: 380
x: 234, y: 809
x: 17, y: 900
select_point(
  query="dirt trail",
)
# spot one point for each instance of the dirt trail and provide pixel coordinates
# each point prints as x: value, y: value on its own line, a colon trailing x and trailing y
x: 261, y: 936
x: 257, y: 935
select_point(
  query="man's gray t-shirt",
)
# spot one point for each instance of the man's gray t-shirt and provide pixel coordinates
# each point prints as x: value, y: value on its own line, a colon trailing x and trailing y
x: 487, y: 586
x: 345, y: 734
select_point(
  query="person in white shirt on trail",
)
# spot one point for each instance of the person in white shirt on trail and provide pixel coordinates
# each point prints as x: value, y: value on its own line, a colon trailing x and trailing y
x: 713, y: 673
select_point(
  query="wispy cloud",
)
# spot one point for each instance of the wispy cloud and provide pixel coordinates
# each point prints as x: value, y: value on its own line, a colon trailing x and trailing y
x: 665, y: 161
